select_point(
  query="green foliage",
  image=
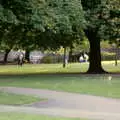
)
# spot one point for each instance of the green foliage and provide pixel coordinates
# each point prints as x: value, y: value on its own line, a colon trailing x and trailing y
x: 6, y: 16
x: 114, y: 29
x: 21, y: 9
x: 81, y: 46
x: 97, y: 17
x: 107, y: 56
x: 98, y: 27
x: 30, y: 24
x: 47, y: 59
x: 57, y: 58
x: 12, y: 15
x: 57, y: 23
x: 69, y: 21
x: 10, y: 37
x: 90, y: 4
x: 39, y: 21
x: 105, y: 44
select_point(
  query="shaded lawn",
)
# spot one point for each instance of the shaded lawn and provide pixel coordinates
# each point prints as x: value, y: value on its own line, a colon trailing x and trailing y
x: 13, y: 99
x: 98, y: 85
x: 21, y: 116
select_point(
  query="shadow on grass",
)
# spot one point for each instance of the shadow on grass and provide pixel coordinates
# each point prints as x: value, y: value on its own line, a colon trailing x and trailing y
x: 37, y: 75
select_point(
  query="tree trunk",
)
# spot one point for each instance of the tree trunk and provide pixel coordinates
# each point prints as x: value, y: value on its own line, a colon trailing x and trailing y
x: 116, y: 63
x: 95, y: 66
x: 70, y: 54
x: 116, y: 56
x: 27, y: 54
x: 6, y: 55
x: 64, y: 58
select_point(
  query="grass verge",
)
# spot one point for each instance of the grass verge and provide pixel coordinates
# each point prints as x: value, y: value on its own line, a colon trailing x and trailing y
x: 20, y: 116
x: 13, y: 99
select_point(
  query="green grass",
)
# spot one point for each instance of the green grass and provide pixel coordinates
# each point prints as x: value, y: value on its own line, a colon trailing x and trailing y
x: 13, y: 99
x: 94, y: 85
x: 42, y: 68
x: 110, y: 66
x: 27, y: 76
x: 20, y: 116
x: 54, y: 68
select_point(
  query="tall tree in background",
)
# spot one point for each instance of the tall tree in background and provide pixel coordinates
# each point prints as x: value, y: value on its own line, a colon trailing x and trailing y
x: 69, y: 23
x: 114, y: 22
x: 13, y: 14
x: 9, y: 40
x: 58, y: 23
x: 114, y: 29
x: 16, y: 20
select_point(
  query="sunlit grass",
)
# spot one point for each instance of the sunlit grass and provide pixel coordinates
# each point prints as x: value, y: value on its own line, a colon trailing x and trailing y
x: 42, y: 68
x: 55, y: 68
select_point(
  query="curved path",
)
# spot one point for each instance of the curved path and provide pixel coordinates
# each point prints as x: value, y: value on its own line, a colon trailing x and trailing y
x: 66, y: 104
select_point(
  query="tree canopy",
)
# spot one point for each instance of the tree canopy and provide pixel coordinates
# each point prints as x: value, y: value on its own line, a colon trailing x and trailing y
x: 54, y: 23
x: 98, y: 16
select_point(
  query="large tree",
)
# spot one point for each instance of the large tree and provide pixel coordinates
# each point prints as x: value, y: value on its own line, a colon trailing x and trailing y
x: 68, y: 22
x: 97, y: 14
x: 9, y: 40
x: 114, y: 21
x: 57, y: 23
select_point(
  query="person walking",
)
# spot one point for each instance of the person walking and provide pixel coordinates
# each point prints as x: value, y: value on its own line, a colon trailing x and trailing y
x: 86, y: 57
x: 20, y: 58
x: 81, y: 59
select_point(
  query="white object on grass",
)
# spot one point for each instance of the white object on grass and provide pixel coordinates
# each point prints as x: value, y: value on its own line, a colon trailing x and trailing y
x: 110, y: 78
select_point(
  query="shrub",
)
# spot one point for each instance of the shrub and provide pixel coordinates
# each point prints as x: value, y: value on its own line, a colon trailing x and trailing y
x: 52, y: 59
x: 107, y: 56
x: 46, y: 59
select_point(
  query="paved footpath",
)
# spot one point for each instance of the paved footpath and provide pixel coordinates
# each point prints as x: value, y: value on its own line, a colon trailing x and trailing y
x: 66, y: 104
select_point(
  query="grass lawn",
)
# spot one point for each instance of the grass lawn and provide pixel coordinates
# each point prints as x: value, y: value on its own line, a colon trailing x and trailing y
x: 95, y: 85
x: 54, y: 68
x: 20, y: 116
x: 12, y: 99
x: 42, y: 68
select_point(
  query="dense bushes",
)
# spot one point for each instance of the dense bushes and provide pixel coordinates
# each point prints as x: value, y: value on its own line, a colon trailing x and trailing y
x: 107, y: 56
x: 52, y: 59
x: 46, y: 59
